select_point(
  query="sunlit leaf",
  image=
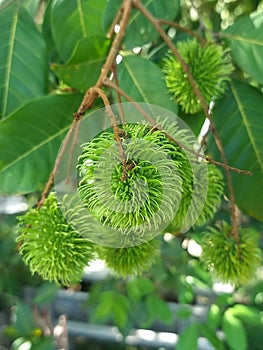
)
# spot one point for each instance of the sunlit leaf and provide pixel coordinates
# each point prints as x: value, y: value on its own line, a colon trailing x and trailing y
x: 30, y: 139
x: 144, y: 82
x: 141, y: 31
x: 23, y: 61
x: 74, y: 20
x: 246, y: 42
x: 238, y: 118
x: 235, y: 333
x: 83, y: 68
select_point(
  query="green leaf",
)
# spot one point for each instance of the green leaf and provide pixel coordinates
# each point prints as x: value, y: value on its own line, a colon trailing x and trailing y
x: 238, y: 118
x: 210, y: 336
x: 214, y: 317
x: 30, y: 139
x: 140, y: 31
x: 184, y: 312
x: 32, y: 7
x: 46, y: 293
x: 74, y: 20
x: 23, y: 61
x: 24, y: 322
x: 139, y: 287
x: 246, y: 42
x: 113, y: 306
x: 235, y: 333
x: 158, y: 310
x: 83, y: 68
x: 247, y: 314
x: 144, y: 82
x: 188, y: 339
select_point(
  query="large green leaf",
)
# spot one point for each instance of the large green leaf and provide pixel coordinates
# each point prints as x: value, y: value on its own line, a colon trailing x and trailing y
x: 246, y: 42
x: 188, y: 338
x: 236, y: 336
x: 83, y: 68
x: 74, y: 20
x: 238, y: 118
x: 30, y: 139
x: 144, y: 82
x: 23, y: 62
x: 32, y: 7
x: 141, y: 31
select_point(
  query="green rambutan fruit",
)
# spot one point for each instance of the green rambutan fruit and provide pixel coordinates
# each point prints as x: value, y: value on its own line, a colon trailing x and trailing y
x: 228, y: 260
x: 130, y: 261
x: 146, y: 197
x: 210, y: 66
x: 50, y: 247
x: 202, y: 197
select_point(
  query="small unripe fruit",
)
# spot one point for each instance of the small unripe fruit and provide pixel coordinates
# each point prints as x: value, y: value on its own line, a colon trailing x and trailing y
x: 130, y: 261
x: 210, y: 66
x: 146, y: 196
x: 229, y: 260
x: 50, y: 247
x: 200, y: 197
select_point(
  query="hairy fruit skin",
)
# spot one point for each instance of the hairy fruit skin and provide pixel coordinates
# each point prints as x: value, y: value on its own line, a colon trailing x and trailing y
x: 50, y: 247
x: 213, y: 197
x: 228, y: 261
x: 151, y: 190
x: 130, y: 261
x: 210, y: 66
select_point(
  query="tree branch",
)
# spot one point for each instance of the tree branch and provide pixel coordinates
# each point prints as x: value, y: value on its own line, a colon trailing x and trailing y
x: 91, y: 94
x: 156, y: 24
x: 152, y: 122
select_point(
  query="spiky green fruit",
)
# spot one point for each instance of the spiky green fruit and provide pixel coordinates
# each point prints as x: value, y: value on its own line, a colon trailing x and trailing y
x: 210, y: 66
x: 200, y: 198
x: 145, y: 197
x: 226, y: 259
x: 130, y: 261
x: 50, y: 247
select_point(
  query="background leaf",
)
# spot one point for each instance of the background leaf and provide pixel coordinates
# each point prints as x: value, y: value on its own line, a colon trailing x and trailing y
x: 83, y: 68
x: 23, y: 62
x: 140, y: 31
x: 188, y: 338
x: 246, y: 43
x: 158, y: 310
x: 238, y: 118
x: 236, y: 337
x: 74, y: 20
x: 46, y: 293
x: 36, y: 130
x: 139, y: 287
x: 139, y: 78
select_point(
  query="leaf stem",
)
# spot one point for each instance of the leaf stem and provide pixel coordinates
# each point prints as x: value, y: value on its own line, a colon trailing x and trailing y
x: 91, y: 94
x: 202, y: 40
x: 115, y: 87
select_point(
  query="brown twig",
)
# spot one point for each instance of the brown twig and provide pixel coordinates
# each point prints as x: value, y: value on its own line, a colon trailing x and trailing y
x: 115, y: 127
x: 152, y: 122
x: 62, y: 151
x: 202, y: 40
x: 91, y: 94
x: 156, y: 24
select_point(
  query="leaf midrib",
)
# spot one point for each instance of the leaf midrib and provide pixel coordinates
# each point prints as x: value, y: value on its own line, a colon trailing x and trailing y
x: 243, y: 39
x: 136, y: 82
x: 35, y: 148
x: 9, y: 60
